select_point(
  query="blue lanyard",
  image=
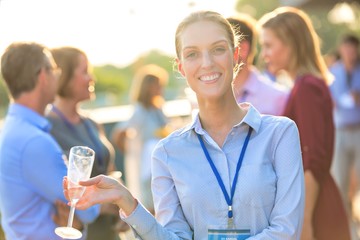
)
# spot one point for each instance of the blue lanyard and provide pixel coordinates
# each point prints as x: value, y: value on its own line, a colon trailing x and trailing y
x: 229, y: 200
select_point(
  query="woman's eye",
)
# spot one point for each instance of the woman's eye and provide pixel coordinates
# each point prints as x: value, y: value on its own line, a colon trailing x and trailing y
x: 218, y: 50
x: 191, y: 55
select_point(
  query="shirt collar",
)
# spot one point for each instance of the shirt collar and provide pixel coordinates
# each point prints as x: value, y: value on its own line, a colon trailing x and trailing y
x: 252, y: 118
x: 29, y: 115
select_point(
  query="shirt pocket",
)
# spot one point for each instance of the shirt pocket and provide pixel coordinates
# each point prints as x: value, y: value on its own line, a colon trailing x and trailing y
x: 257, y: 185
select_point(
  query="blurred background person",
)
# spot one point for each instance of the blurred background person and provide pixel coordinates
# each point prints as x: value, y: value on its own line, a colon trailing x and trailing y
x: 289, y: 42
x: 71, y: 127
x: 346, y: 95
x: 250, y: 85
x: 331, y: 58
x: 137, y: 137
x: 32, y: 163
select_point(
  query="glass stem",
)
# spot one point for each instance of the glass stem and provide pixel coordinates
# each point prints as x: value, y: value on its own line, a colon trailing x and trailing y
x: 71, y: 214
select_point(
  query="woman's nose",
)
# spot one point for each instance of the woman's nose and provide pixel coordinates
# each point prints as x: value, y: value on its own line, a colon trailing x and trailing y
x: 207, y: 60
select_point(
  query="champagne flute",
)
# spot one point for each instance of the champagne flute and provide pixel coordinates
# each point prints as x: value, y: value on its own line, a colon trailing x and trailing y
x: 81, y: 160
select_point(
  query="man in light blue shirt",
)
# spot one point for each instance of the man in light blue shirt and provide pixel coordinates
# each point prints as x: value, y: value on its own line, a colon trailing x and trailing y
x: 32, y: 166
x: 346, y: 95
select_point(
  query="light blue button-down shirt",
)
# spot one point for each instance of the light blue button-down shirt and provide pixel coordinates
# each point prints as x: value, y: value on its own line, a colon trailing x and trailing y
x: 31, y: 174
x: 345, y: 113
x: 269, y: 196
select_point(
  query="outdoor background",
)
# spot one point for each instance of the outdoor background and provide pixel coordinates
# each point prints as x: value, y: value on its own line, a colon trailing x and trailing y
x: 120, y: 36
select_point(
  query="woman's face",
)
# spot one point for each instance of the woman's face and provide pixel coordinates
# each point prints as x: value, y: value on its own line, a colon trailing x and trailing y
x: 206, y: 60
x: 82, y: 84
x: 274, y: 52
x: 155, y: 88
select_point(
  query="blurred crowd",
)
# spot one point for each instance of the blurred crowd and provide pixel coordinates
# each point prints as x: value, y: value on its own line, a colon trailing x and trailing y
x: 319, y: 93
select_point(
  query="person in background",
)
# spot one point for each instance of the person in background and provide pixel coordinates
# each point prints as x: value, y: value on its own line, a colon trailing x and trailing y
x: 32, y: 164
x: 72, y: 127
x: 346, y: 96
x: 232, y: 171
x: 330, y: 58
x: 289, y: 42
x: 138, y: 136
x: 250, y: 85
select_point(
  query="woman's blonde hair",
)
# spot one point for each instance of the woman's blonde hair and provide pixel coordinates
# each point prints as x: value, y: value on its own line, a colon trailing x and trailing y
x: 294, y: 28
x: 210, y: 16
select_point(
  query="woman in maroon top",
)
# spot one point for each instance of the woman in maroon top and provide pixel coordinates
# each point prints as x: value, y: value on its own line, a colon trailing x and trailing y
x: 290, y: 43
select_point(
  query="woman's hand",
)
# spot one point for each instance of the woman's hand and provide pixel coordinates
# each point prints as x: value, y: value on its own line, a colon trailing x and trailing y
x: 103, y: 189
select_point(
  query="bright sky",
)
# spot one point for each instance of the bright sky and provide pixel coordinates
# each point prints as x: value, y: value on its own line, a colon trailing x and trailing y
x: 109, y: 31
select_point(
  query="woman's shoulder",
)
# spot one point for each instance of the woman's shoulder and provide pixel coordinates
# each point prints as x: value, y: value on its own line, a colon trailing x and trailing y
x: 277, y: 126
x: 177, y: 135
x: 311, y: 80
x: 275, y: 120
x: 310, y: 84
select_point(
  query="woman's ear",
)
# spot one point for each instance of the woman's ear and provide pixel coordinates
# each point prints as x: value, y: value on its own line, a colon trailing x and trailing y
x: 180, y: 67
x: 236, y: 56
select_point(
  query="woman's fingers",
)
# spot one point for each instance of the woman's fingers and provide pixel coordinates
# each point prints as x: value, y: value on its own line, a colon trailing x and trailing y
x: 99, y: 189
x: 92, y: 181
x: 65, y: 184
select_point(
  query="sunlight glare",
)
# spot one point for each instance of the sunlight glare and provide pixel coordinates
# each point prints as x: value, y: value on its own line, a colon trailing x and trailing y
x: 109, y: 31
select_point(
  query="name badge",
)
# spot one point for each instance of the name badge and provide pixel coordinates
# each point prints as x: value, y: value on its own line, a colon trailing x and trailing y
x: 228, y: 234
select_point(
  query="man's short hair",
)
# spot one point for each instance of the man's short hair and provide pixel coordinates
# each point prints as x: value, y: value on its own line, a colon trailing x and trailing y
x: 21, y: 64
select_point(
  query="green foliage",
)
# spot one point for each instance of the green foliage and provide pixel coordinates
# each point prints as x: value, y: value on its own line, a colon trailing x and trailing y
x: 111, y: 80
x: 328, y: 32
x: 256, y: 8
x: 112, y: 84
x: 167, y: 62
x: 4, y: 97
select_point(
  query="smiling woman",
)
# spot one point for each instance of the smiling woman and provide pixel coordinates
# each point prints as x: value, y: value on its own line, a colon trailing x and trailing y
x: 106, y: 31
x: 265, y: 185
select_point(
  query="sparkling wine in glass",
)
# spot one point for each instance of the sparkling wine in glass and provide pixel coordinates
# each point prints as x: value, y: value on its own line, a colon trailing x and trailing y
x: 81, y: 160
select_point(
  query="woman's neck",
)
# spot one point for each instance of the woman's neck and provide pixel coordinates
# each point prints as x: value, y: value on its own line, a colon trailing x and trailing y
x: 68, y: 108
x: 218, y: 118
